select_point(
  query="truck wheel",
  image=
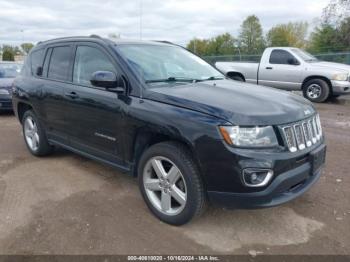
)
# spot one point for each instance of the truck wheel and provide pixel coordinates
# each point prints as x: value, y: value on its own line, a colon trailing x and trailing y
x: 170, y: 183
x: 316, y: 90
x: 34, y: 135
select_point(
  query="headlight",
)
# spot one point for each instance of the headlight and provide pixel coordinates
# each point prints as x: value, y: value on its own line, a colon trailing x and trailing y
x: 4, y: 92
x: 340, y: 77
x: 249, y: 136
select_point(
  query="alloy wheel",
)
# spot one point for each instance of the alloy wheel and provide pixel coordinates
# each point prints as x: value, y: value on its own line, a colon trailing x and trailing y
x: 314, y: 91
x: 31, y: 133
x: 165, y: 185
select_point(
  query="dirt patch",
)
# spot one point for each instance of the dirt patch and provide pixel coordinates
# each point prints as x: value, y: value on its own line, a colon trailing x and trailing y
x: 33, y: 182
x: 271, y: 227
x: 66, y: 204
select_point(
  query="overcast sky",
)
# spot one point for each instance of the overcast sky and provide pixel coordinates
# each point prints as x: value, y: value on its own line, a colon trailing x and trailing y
x: 172, y: 20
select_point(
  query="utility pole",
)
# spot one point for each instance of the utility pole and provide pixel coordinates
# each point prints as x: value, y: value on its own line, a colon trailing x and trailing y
x: 141, y: 19
x: 22, y: 35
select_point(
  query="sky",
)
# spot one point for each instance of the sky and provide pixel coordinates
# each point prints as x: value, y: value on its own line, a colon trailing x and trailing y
x: 172, y: 20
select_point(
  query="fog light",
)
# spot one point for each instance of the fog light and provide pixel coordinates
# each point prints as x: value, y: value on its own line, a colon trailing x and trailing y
x: 255, y: 177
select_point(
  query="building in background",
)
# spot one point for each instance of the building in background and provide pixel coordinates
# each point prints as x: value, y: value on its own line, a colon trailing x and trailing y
x: 20, y: 58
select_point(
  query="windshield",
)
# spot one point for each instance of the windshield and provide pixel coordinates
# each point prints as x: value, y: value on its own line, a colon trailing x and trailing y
x: 9, y: 70
x: 160, y: 63
x: 305, y: 55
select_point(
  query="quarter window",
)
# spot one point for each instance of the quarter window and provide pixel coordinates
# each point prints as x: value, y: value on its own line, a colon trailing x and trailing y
x: 37, y: 59
x: 87, y: 61
x: 280, y: 57
x: 59, y: 63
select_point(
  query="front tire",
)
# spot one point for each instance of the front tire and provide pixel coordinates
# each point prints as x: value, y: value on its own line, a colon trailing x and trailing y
x: 34, y: 135
x: 170, y: 183
x: 316, y: 90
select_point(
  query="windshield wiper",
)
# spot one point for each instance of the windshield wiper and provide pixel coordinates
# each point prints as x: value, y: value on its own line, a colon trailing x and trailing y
x: 312, y: 60
x: 210, y: 78
x: 183, y: 79
x: 171, y: 79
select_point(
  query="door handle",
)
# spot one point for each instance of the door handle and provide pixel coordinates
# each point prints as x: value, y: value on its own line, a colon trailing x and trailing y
x: 269, y: 67
x: 72, y: 95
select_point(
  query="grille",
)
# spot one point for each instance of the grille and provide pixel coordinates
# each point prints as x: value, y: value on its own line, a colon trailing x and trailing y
x: 303, y: 134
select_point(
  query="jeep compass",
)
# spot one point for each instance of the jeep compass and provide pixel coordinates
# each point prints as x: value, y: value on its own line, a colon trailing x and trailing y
x: 158, y: 112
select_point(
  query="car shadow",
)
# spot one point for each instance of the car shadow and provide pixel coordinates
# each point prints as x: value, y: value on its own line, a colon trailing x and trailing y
x: 339, y: 100
x: 6, y: 113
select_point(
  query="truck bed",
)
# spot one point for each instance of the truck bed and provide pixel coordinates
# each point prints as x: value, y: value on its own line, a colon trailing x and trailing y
x: 249, y: 69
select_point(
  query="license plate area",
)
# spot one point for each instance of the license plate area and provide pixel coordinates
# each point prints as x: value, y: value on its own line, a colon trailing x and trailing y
x: 317, y: 158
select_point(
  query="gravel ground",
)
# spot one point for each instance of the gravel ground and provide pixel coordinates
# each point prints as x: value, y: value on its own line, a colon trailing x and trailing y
x: 66, y: 204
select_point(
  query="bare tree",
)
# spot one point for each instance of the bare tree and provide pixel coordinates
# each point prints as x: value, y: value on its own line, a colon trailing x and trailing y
x: 336, y: 11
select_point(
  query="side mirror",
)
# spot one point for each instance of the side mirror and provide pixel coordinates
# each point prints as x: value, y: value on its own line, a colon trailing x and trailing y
x: 107, y: 80
x: 293, y: 61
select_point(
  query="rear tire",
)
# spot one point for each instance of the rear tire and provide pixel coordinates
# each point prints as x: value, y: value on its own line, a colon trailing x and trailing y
x: 316, y: 90
x: 170, y: 183
x: 34, y: 135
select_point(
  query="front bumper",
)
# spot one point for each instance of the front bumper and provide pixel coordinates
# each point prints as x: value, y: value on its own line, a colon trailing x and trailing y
x: 340, y: 87
x: 284, y: 188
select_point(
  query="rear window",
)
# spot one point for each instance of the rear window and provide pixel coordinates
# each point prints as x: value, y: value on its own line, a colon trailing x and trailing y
x: 59, y: 63
x: 37, y: 59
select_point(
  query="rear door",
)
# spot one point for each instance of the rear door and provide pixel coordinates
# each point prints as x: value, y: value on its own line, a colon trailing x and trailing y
x: 55, y: 75
x: 93, y: 114
x: 276, y: 70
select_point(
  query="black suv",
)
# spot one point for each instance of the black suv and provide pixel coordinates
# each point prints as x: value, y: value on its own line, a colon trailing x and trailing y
x: 162, y: 114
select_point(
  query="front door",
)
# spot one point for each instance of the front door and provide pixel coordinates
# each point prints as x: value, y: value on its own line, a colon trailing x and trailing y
x: 94, y: 114
x: 281, y: 70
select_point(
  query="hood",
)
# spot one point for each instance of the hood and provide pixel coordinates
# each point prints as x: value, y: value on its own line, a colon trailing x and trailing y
x: 235, y: 102
x: 6, y: 83
x: 331, y: 65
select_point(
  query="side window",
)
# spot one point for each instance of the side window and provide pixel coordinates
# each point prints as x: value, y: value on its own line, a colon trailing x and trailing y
x: 87, y: 61
x: 280, y: 57
x: 37, y: 59
x: 59, y: 63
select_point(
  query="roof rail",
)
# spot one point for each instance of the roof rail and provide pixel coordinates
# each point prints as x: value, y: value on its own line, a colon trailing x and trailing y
x: 70, y: 37
x: 170, y: 43
x: 164, y: 41
x: 95, y: 36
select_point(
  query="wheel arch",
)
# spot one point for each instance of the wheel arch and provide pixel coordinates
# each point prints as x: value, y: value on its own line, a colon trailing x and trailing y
x: 231, y: 74
x: 146, y: 138
x: 327, y: 80
x: 22, y: 107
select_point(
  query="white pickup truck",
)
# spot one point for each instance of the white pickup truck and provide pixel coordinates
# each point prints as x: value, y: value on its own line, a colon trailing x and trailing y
x: 292, y: 69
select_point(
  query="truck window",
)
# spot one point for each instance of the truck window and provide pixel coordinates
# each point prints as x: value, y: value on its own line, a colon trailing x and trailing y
x: 281, y: 57
x: 59, y: 63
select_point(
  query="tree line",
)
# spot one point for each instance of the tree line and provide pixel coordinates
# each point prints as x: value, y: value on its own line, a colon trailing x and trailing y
x: 9, y: 52
x: 331, y: 35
